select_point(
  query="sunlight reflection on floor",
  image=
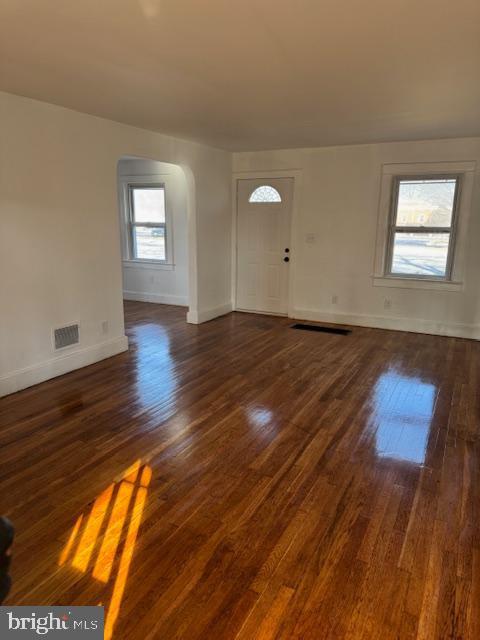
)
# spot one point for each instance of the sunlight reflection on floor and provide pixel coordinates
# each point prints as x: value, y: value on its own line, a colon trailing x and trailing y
x: 404, y: 408
x: 123, y: 503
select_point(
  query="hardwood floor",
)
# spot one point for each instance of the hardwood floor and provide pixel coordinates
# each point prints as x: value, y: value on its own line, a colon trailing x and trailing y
x: 241, y: 480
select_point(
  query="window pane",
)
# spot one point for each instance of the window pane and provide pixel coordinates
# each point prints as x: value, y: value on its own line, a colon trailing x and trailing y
x: 265, y: 193
x: 422, y: 254
x: 149, y: 243
x: 427, y: 203
x: 148, y: 205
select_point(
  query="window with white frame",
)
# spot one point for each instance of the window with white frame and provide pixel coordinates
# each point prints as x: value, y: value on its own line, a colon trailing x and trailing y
x: 422, y: 225
x: 146, y: 220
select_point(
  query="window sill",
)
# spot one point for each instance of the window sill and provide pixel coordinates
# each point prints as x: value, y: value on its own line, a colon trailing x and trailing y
x: 148, y: 264
x: 417, y: 283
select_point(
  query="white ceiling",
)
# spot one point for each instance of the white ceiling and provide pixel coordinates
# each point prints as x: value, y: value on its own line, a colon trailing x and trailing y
x: 253, y: 74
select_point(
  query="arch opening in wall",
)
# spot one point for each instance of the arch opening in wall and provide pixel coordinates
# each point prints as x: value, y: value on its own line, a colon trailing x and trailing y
x: 154, y: 203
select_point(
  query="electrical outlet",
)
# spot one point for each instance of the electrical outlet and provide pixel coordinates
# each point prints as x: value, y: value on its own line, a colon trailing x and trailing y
x: 387, y: 304
x: 334, y: 299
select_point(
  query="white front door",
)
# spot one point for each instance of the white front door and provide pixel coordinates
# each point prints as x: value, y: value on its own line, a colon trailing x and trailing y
x: 263, y: 244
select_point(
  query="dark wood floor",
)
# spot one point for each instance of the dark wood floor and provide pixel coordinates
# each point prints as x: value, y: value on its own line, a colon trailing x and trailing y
x: 241, y: 479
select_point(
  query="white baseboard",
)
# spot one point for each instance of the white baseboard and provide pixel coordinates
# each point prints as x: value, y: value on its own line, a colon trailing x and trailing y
x: 204, y: 315
x: 157, y: 298
x: 457, y: 330
x: 23, y: 378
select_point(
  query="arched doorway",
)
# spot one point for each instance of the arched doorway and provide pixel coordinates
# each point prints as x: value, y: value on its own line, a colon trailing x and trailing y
x: 156, y: 215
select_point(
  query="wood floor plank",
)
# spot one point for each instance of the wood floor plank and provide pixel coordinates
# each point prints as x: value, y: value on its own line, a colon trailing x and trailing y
x: 243, y: 480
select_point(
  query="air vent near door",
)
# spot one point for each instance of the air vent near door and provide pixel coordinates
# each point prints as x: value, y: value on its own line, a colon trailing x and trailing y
x: 66, y: 336
x: 316, y: 327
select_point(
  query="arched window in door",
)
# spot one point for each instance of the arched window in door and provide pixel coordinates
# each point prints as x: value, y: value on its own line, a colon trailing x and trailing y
x: 265, y: 193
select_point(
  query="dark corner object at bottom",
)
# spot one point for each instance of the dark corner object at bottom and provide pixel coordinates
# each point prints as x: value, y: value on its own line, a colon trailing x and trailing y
x: 6, y: 541
x: 316, y: 327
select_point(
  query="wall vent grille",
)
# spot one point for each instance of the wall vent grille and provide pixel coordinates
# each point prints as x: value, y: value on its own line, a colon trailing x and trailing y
x: 66, y: 336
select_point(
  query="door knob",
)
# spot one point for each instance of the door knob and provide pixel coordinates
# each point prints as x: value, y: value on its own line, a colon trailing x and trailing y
x: 286, y: 259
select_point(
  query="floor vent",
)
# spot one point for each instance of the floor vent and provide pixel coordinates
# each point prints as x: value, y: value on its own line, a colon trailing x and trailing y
x: 66, y: 336
x: 316, y: 327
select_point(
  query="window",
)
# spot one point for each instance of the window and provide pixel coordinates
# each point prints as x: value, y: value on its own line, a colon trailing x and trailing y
x: 422, y: 227
x: 422, y: 206
x: 265, y: 193
x: 146, y: 222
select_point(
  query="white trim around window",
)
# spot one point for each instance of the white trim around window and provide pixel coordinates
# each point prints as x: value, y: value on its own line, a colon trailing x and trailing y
x: 392, y: 174
x: 126, y: 184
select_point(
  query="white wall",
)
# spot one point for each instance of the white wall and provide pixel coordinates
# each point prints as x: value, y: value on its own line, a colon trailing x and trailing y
x: 337, y: 200
x: 60, y: 256
x: 165, y: 284
x: 59, y: 233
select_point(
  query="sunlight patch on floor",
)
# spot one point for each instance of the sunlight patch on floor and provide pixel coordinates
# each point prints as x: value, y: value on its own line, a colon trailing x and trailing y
x: 93, y: 546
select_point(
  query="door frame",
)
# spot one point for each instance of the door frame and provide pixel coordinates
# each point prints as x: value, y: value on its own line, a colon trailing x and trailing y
x: 296, y: 175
